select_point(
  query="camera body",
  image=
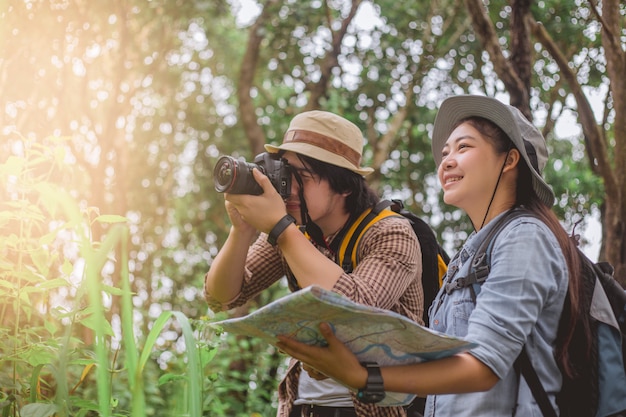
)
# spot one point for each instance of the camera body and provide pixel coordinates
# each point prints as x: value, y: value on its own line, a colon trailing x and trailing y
x: 235, y: 175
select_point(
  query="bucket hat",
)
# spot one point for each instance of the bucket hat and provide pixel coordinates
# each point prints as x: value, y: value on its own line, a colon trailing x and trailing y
x: 525, y: 136
x: 326, y: 137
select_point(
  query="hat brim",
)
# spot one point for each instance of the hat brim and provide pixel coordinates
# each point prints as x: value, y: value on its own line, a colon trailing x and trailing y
x: 454, y: 109
x: 319, y: 154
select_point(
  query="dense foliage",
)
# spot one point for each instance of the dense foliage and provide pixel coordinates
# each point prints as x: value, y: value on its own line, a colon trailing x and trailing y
x: 114, y: 113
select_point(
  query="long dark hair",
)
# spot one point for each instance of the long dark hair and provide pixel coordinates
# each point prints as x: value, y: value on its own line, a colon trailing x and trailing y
x: 526, y: 196
x: 341, y: 180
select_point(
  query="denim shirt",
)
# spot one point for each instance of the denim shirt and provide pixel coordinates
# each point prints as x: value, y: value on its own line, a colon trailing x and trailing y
x: 519, y: 304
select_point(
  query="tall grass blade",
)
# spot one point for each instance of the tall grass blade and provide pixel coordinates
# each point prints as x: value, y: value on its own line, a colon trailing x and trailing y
x: 194, y: 370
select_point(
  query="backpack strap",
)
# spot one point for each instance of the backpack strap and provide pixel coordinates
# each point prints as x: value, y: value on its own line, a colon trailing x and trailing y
x: 480, y: 262
x: 525, y: 367
x: 346, y: 255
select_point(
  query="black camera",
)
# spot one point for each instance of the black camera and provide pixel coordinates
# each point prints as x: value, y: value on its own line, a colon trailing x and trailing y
x: 235, y: 175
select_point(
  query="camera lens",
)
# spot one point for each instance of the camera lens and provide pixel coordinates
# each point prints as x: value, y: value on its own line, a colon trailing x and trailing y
x: 235, y: 176
x: 225, y: 173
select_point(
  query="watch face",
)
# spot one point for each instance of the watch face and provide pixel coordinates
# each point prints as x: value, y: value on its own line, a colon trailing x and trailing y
x: 370, y: 396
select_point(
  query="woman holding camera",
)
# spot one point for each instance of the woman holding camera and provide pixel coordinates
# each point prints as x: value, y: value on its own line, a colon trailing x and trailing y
x: 328, y: 192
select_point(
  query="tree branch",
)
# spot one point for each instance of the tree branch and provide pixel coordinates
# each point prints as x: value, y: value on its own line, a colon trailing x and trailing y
x: 608, y: 32
x: 247, y: 112
x: 486, y: 32
x: 330, y: 61
x: 594, y: 144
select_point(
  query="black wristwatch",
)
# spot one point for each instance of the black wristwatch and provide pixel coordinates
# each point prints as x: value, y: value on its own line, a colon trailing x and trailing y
x: 374, y: 390
x: 279, y: 228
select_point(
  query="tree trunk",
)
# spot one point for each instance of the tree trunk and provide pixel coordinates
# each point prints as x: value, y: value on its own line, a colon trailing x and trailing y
x: 615, y: 215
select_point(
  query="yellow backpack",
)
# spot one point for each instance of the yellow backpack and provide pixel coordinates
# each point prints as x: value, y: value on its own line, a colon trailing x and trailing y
x: 434, y: 257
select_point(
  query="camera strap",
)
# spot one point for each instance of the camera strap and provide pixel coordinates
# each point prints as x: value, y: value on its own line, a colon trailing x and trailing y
x: 312, y: 229
x: 313, y: 232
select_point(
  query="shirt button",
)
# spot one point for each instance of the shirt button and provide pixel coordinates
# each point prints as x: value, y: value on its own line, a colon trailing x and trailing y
x: 436, y: 321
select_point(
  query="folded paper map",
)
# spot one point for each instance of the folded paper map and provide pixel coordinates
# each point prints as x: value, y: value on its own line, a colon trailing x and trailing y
x: 373, y: 334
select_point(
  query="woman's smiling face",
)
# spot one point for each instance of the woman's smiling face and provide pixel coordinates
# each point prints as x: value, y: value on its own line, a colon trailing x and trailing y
x: 469, y: 168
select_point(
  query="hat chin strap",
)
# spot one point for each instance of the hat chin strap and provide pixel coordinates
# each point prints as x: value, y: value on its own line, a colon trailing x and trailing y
x: 493, y: 195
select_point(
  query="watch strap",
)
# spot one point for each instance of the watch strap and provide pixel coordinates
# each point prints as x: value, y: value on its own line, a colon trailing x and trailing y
x: 374, y: 390
x: 279, y: 228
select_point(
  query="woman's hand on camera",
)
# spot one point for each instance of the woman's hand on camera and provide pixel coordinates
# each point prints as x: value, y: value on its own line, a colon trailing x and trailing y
x: 262, y: 212
x: 236, y: 219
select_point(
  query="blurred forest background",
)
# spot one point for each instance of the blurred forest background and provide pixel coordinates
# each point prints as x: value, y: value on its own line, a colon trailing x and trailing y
x: 113, y: 114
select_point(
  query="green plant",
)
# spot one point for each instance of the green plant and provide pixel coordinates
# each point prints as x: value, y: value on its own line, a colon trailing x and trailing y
x: 59, y: 353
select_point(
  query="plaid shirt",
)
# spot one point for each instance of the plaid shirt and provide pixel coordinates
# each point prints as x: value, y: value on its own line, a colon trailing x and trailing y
x: 388, y: 276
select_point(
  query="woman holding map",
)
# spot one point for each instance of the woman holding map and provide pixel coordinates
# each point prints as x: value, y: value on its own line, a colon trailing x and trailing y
x: 490, y: 159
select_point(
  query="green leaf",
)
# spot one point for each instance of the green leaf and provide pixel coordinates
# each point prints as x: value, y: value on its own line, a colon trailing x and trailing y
x: 39, y: 410
x: 39, y: 355
x: 164, y: 379
x: 91, y: 322
x: 206, y: 355
x: 112, y: 290
x: 51, y: 327
x: 41, y: 259
x: 67, y: 267
x: 53, y: 283
x: 111, y: 218
x: 13, y: 166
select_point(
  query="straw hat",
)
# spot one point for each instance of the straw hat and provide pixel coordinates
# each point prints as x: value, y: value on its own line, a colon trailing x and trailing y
x: 525, y: 136
x: 326, y: 137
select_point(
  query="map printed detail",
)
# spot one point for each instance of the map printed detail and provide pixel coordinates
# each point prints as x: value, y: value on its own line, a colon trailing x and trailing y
x: 373, y: 334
